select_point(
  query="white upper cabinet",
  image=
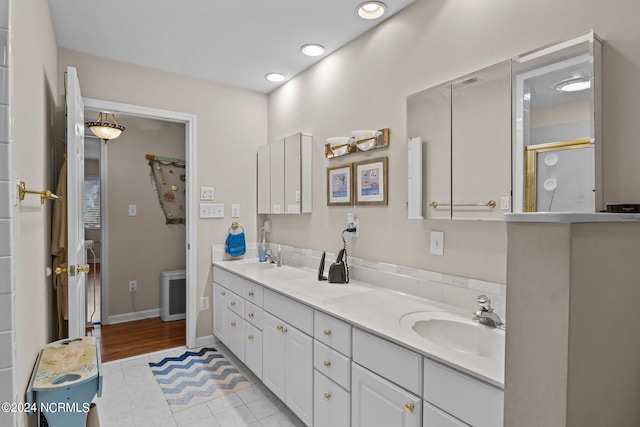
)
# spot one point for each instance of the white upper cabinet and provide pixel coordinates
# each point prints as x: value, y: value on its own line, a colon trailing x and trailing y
x: 284, y: 176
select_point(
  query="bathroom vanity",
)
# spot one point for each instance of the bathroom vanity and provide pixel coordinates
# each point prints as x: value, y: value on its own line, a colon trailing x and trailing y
x: 353, y: 355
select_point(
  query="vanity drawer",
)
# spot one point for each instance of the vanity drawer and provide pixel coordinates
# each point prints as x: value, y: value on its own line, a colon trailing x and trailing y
x: 333, y: 332
x: 332, y: 364
x: 235, y: 284
x: 221, y: 276
x: 296, y: 314
x: 434, y: 417
x: 331, y: 404
x: 397, y: 364
x: 253, y: 314
x: 235, y: 304
x: 473, y: 401
x: 253, y: 292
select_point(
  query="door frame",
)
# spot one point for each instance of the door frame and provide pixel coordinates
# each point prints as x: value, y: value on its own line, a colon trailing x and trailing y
x: 189, y: 121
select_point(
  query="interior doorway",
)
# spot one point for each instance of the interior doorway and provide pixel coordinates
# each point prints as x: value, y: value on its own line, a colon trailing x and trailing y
x: 188, y: 239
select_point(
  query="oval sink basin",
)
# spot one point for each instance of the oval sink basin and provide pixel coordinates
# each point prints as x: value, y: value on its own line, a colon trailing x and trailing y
x: 456, y: 333
x: 272, y: 271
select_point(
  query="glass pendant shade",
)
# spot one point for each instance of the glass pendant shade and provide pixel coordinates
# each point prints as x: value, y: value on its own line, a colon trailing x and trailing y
x: 104, y: 129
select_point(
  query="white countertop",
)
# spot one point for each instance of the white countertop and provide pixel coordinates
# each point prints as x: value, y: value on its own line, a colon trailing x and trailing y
x: 371, y: 308
x: 570, y: 217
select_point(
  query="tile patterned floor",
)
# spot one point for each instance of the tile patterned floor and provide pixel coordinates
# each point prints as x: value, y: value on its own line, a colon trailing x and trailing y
x: 131, y: 397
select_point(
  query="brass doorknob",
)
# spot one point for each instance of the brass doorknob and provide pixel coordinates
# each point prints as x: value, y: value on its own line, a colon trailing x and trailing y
x: 250, y: 315
x: 326, y: 364
x: 279, y: 328
x: 83, y: 268
x: 409, y: 408
x: 233, y: 324
x: 250, y: 337
x: 233, y: 303
x: 60, y: 270
x: 284, y: 330
x: 223, y: 293
x: 327, y: 332
x: 327, y: 396
x: 250, y: 293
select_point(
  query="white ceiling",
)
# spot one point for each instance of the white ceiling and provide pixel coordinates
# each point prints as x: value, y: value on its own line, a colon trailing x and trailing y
x: 235, y: 42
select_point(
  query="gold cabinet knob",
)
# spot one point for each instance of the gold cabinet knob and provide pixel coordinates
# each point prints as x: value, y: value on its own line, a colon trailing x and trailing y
x: 250, y: 293
x: 250, y: 337
x: 83, y: 268
x: 409, y: 408
x: 284, y: 330
x: 233, y: 324
x: 326, y: 364
x: 327, y: 332
x: 279, y: 328
x: 60, y: 270
x: 223, y: 293
x: 327, y: 396
x: 233, y: 303
x: 250, y: 315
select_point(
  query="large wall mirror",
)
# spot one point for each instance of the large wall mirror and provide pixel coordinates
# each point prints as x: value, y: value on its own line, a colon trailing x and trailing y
x: 556, y: 128
x: 522, y: 135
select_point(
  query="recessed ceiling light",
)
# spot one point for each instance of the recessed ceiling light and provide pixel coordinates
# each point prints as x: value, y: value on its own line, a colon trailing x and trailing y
x: 574, y: 85
x: 312, y: 49
x: 274, y: 77
x: 371, y: 10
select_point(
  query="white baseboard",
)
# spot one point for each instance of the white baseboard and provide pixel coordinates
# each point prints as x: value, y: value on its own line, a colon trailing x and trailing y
x: 205, y: 341
x: 136, y: 315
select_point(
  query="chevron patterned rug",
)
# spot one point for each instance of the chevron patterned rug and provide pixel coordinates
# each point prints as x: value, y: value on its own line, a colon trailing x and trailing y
x: 197, y: 377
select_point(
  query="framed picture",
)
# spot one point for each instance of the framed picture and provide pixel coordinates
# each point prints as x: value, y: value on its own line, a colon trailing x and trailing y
x: 339, y: 185
x: 371, y: 181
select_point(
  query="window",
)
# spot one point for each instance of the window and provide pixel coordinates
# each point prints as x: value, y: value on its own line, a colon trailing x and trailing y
x: 91, y: 202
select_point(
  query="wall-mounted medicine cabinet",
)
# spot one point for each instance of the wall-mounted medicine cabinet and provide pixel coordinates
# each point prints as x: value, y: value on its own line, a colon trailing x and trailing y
x: 284, y: 176
x: 557, y: 140
x: 465, y: 130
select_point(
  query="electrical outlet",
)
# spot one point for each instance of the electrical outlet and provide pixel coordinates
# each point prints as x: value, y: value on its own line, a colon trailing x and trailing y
x: 133, y: 210
x: 204, y: 303
x: 505, y: 203
x: 206, y: 193
x: 211, y: 210
x: 133, y: 285
x: 437, y: 243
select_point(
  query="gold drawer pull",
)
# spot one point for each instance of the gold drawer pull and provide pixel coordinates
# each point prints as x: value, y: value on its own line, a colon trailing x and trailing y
x: 284, y: 330
x: 409, y: 408
x: 326, y: 364
x: 327, y: 396
x: 233, y: 303
x: 250, y: 293
x: 250, y: 315
x: 250, y: 337
x: 223, y: 293
x: 327, y: 332
x: 279, y: 328
x: 233, y: 324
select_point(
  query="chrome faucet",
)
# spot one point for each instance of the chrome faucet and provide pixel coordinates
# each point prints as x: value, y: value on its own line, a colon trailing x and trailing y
x: 270, y: 258
x: 485, y: 314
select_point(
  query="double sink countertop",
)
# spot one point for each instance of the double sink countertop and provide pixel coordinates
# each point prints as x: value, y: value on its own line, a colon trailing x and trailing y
x: 374, y: 309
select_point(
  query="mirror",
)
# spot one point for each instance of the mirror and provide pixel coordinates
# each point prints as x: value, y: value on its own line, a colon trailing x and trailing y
x: 556, y: 128
x: 465, y: 131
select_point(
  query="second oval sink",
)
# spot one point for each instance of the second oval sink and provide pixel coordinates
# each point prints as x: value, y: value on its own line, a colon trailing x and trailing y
x: 454, y: 332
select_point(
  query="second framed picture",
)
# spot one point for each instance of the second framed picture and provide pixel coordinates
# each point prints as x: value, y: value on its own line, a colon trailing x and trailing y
x: 340, y: 185
x: 371, y: 182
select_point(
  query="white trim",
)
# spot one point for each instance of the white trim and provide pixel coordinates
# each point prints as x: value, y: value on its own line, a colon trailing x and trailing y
x: 205, y: 341
x: 134, y: 315
x: 189, y: 121
x: 104, y: 234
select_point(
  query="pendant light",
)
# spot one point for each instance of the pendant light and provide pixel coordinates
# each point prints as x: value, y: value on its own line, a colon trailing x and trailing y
x: 104, y: 129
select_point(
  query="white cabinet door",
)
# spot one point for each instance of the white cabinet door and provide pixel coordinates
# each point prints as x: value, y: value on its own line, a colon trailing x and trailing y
x: 220, y: 312
x: 235, y: 334
x: 273, y: 355
x: 331, y: 403
x: 253, y: 349
x: 277, y: 177
x: 376, y: 402
x: 299, y: 373
x: 292, y: 181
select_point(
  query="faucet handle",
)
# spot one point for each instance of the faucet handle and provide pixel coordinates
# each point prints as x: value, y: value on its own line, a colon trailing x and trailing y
x: 484, y: 302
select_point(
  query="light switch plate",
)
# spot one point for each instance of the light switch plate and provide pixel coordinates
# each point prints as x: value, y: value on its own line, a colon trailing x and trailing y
x: 211, y: 210
x: 505, y: 203
x: 437, y: 243
x: 204, y: 303
x: 206, y: 193
x: 235, y: 211
x: 133, y: 210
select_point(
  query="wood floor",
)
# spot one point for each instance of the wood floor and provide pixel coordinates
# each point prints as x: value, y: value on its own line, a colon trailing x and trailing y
x: 139, y: 337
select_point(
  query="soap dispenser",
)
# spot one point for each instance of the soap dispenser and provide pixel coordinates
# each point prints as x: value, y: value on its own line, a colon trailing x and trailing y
x: 279, y: 256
